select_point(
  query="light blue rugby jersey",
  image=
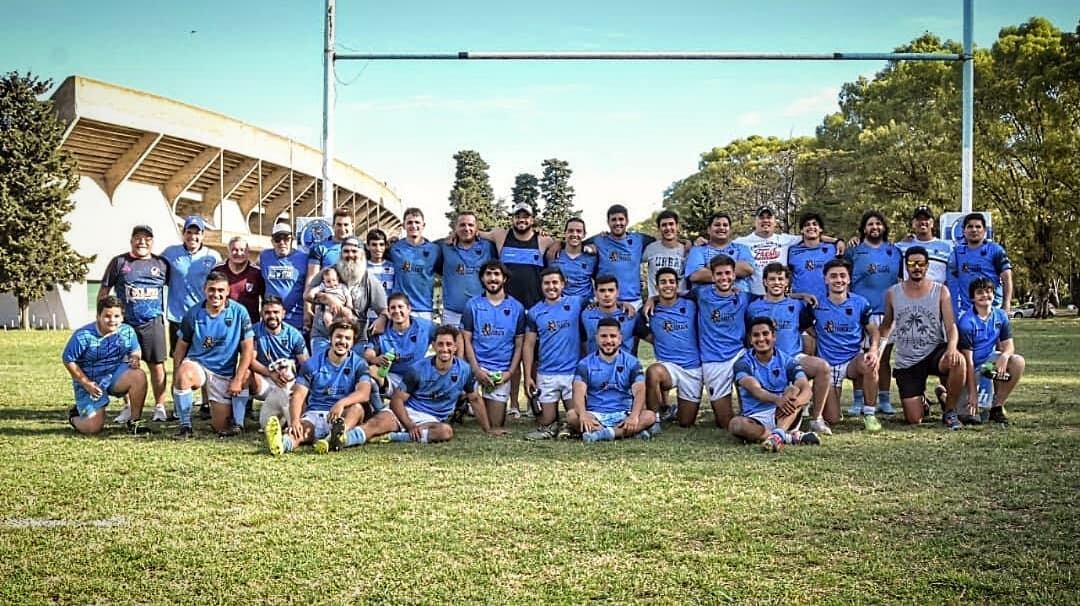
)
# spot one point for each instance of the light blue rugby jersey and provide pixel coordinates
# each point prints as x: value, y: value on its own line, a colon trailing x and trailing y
x: 409, y: 346
x: 100, y: 355
x: 791, y: 316
x: 214, y: 341
x: 874, y: 270
x: 699, y: 257
x: 721, y: 323
x: 590, y: 319
x: 328, y: 382
x: 494, y: 328
x: 674, y: 332
x: 433, y: 392
x: 839, y: 328
x: 414, y: 271
x: 622, y: 258
x: 288, y: 344
x: 558, y: 333
x: 774, y: 377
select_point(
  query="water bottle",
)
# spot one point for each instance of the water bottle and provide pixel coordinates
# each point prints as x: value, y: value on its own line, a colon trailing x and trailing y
x: 989, y: 370
x: 385, y: 370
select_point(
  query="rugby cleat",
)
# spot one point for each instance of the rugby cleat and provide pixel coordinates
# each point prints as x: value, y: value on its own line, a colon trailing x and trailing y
x: 272, y: 432
x: 337, y: 435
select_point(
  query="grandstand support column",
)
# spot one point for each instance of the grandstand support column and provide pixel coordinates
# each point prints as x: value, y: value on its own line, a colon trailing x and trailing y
x: 328, y: 112
x: 967, y: 154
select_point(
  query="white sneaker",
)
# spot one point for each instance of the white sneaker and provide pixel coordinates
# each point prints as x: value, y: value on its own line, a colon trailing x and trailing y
x: 124, y: 416
x: 160, y: 414
x: 819, y: 426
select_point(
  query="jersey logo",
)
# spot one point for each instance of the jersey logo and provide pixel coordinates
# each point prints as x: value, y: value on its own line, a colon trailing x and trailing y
x: 791, y: 308
x: 776, y: 372
x: 552, y: 326
x: 619, y: 368
x: 346, y: 370
x: 506, y: 312
x: 249, y: 287
x: 830, y: 327
x: 809, y: 265
x: 460, y: 269
x: 613, y: 257
x: 208, y: 342
x: 154, y: 271
x: 406, y: 266
x: 228, y: 321
x: 454, y: 378
x: 566, y: 307
x: 413, y: 338
x: 849, y: 311
x: 983, y: 252
x: 486, y: 330
x: 715, y: 315
x: 668, y: 326
x: 426, y: 253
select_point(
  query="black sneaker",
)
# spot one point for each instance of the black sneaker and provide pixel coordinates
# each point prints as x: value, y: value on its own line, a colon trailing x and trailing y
x: 231, y: 432
x: 970, y: 420
x: 458, y: 417
x: 137, y: 427
x: 204, y: 412
x: 185, y: 433
x: 997, y: 415
x: 337, y: 435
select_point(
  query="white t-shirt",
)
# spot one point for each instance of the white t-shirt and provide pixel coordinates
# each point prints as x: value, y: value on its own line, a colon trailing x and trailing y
x: 773, y: 249
x: 938, y: 251
x: 657, y: 255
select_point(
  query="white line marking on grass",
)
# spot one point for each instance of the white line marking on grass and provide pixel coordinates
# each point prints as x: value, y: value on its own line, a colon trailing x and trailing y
x: 53, y: 523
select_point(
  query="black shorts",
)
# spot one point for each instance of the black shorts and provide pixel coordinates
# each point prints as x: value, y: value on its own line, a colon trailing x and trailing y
x: 152, y: 340
x: 911, y: 381
x: 174, y: 337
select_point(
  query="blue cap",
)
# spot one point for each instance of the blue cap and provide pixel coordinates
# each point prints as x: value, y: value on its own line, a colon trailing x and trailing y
x: 195, y: 221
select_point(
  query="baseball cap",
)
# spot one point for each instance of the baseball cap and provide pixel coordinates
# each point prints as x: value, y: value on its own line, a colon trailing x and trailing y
x: 522, y: 206
x: 922, y: 210
x: 195, y: 221
x: 281, y: 228
x: 351, y: 241
x: 145, y: 229
x: 764, y: 210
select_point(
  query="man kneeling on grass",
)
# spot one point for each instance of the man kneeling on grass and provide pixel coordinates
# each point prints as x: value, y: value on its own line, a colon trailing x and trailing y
x: 609, y: 391
x: 423, y: 402
x: 332, y: 388
x: 772, y: 391
x: 103, y: 360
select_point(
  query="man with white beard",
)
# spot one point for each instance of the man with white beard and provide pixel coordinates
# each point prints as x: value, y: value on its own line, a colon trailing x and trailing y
x: 367, y: 294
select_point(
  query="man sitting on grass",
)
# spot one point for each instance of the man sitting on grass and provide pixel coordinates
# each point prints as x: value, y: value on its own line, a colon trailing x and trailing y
x: 609, y: 391
x: 103, y: 360
x: 773, y: 390
x: 986, y: 339
x: 331, y: 388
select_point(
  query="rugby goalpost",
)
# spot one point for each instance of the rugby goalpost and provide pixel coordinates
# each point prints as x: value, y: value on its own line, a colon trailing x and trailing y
x: 331, y: 56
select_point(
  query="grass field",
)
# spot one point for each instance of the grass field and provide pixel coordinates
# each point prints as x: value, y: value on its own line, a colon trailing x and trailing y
x: 916, y: 516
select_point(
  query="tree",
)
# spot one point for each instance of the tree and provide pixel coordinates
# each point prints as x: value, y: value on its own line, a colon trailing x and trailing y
x: 526, y: 189
x: 36, y: 182
x: 558, y: 196
x: 472, y: 189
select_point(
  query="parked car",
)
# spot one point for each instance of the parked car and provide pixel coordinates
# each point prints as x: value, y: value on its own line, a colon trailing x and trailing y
x: 1027, y: 310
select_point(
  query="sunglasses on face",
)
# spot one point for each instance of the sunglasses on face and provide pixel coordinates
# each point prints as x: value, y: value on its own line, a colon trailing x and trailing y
x: 917, y: 264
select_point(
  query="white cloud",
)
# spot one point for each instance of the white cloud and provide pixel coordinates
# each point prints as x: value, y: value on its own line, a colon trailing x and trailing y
x: 749, y: 119
x: 820, y: 103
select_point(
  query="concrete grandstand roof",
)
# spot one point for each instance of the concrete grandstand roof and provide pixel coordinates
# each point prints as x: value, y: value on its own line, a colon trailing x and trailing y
x: 199, y: 158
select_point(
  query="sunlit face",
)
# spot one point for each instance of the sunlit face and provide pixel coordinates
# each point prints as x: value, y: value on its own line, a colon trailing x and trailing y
x: 141, y: 244
x: 493, y: 280
x: 552, y: 286
x: 874, y: 229
x: 523, y: 221
x: 282, y: 244
x: 217, y: 293
x: 723, y: 277
x: 193, y: 237
x: 669, y: 230
x: 983, y: 299
x: 776, y: 283
x: 668, y: 286
x: 110, y: 319
x: 272, y: 314
x: 974, y: 232
x: 350, y: 253
x: 923, y: 227
x: 414, y: 226
x: 398, y: 310
x: 617, y: 224
x: 765, y: 224
x: 465, y: 229
x: 376, y: 249
x: 608, y: 340
x: 341, y: 341
x: 575, y: 233
x: 916, y: 266
x: 811, y: 230
x: 330, y: 278
x: 343, y: 227
x: 445, y: 348
x: 607, y: 295
x: 720, y: 229
x: 838, y: 279
x: 238, y: 252
x: 762, y: 338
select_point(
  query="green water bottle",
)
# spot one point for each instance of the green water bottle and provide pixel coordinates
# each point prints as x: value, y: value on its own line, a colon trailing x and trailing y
x: 989, y: 370
x: 385, y: 370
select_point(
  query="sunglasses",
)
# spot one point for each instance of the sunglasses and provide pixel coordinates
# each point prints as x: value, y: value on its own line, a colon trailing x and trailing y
x: 918, y: 264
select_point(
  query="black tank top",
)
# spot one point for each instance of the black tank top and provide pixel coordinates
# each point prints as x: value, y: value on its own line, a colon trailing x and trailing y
x: 524, y: 260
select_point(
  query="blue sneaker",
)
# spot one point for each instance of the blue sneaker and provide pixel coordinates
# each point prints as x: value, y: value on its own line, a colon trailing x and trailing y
x: 600, y: 435
x: 885, y: 407
x: 952, y: 421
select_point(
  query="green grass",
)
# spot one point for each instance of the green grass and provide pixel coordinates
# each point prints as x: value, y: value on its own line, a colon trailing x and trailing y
x: 912, y: 516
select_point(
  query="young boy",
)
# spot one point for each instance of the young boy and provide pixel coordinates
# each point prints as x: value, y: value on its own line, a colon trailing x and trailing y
x: 985, y: 339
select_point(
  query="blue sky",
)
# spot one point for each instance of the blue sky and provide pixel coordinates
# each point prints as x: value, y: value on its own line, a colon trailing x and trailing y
x: 627, y: 129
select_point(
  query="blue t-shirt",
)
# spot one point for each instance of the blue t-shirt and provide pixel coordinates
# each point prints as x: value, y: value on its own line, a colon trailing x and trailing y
x: 414, y: 272
x: 609, y: 385
x: 791, y: 316
x: 839, y: 328
x: 140, y: 285
x: 774, y: 377
x: 99, y: 356
x: 558, y: 334
x: 721, y: 323
x: 288, y: 344
x: 982, y: 336
x: 328, y: 382
x: 579, y: 272
x: 214, y: 341
x: 590, y: 318
x: 187, y: 277
x: 325, y: 253
x: 493, y: 329
x: 285, y: 277
x: 873, y: 271
x: 408, y: 346
x: 622, y: 257
x: 433, y: 392
x: 699, y: 257
x: 461, y: 272
x: 674, y: 332
x: 988, y: 260
x: 807, y: 265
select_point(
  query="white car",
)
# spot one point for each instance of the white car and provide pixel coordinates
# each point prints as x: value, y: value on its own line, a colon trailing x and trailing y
x: 1027, y: 310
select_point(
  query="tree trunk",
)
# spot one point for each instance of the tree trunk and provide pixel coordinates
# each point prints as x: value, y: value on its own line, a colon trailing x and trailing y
x: 1040, y: 268
x: 24, y: 313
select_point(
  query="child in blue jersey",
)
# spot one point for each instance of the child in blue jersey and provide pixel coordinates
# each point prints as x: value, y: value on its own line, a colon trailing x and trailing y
x: 807, y: 258
x: 841, y: 326
x: 875, y: 266
x: 284, y: 271
x: 609, y: 391
x: 103, y: 360
x: 986, y: 338
x: 493, y: 330
x: 977, y: 257
x: 577, y: 266
x: 279, y: 352
x: 551, y: 351
x: 404, y: 342
x: 459, y: 265
x: 792, y: 316
x: 415, y: 261
x: 721, y: 323
x: 773, y: 390
x: 697, y: 271
x: 672, y: 330
x: 620, y: 253
x: 330, y: 389
x: 607, y: 305
x: 215, y: 349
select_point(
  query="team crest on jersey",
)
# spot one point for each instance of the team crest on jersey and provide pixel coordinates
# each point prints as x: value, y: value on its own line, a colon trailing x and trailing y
x: 809, y: 265
x: 776, y: 372
x: 506, y: 312
x: 715, y: 315
x: 346, y: 370
x: 249, y: 287
x: 486, y: 330
x: 154, y: 271
x: 791, y: 308
x: 552, y: 326
x: 566, y: 307
x: 426, y: 253
x: 208, y: 342
x: 406, y: 266
x: 619, y: 368
x: 830, y: 327
x: 871, y: 269
x: 460, y: 269
x: 208, y: 262
x: 849, y: 311
x: 228, y: 322
x: 668, y: 326
x: 455, y: 378
x: 413, y: 338
x: 613, y: 257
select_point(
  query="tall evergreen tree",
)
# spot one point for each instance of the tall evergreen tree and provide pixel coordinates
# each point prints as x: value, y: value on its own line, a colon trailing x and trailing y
x: 472, y: 189
x: 558, y: 196
x: 526, y: 189
x: 36, y: 183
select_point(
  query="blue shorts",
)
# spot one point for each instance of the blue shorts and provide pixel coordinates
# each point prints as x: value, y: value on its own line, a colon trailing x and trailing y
x: 610, y: 419
x: 86, y: 404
